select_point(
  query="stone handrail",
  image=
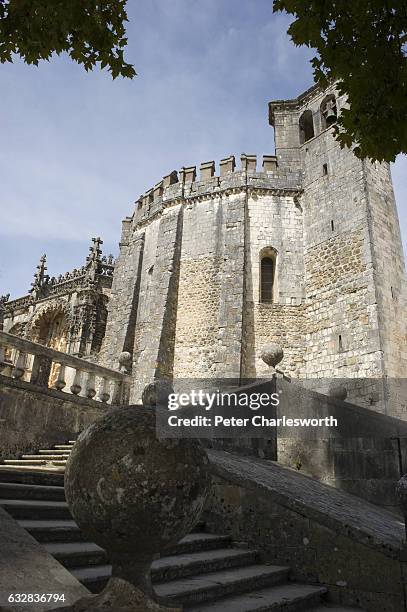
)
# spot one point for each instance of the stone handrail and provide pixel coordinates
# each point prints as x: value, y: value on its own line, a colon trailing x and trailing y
x: 94, y: 381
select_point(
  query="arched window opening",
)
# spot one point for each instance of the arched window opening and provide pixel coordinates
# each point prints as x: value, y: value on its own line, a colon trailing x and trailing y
x: 329, y: 111
x: 306, y: 124
x: 267, y: 279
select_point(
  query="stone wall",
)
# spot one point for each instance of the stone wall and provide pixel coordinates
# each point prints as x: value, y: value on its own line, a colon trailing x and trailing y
x: 365, y: 454
x: 276, y: 223
x: 186, y: 294
x: 123, y: 303
x: 325, y: 536
x: 354, y: 270
x: 187, y: 318
x: 390, y: 281
x: 343, y: 337
x: 33, y: 418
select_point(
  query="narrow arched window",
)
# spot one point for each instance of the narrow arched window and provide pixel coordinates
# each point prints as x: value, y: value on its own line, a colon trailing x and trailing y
x: 267, y: 279
x: 306, y: 125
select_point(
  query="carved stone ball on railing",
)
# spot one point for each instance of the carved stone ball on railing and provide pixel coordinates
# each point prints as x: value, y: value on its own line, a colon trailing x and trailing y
x: 125, y: 361
x: 272, y: 354
x: 338, y: 391
x: 135, y: 496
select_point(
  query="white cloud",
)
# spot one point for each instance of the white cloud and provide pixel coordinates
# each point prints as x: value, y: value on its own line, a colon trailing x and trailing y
x: 78, y: 148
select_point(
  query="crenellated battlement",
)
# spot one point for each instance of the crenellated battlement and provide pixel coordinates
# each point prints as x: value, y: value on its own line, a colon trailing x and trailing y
x: 186, y: 184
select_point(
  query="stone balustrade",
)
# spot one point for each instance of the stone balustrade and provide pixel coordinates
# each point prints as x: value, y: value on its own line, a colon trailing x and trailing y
x: 51, y: 369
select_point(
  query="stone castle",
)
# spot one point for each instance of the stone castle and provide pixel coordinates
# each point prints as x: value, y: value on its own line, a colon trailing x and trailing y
x: 305, y: 252
x: 215, y: 278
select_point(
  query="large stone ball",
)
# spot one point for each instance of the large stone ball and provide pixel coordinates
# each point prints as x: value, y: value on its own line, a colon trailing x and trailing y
x: 131, y: 493
x: 272, y: 354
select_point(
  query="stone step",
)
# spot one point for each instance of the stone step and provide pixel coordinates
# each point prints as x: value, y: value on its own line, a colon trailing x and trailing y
x: 335, y: 608
x: 27, y: 509
x: 71, y: 442
x: 54, y: 451
x: 208, y: 587
x: 83, y: 555
x: 76, y: 554
x: 63, y: 447
x: 68, y: 531
x: 195, y: 542
x: 93, y: 578
x: 203, y: 562
x: 44, y: 457
x: 42, y: 477
x: 12, y: 490
x: 33, y: 462
x: 53, y: 530
x: 27, y: 467
x: 290, y: 597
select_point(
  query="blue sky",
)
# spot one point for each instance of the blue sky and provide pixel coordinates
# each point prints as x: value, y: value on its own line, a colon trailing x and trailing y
x: 77, y: 149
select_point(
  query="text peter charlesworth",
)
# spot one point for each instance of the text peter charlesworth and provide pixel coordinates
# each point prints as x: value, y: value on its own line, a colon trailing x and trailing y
x: 253, y: 401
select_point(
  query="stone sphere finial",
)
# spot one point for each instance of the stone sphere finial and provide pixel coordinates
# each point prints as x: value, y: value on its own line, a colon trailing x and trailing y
x: 272, y: 354
x: 338, y: 391
x: 125, y: 361
x: 135, y: 496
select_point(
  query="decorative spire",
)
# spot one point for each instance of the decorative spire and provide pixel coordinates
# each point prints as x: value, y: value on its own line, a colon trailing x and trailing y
x: 93, y: 260
x: 40, y: 277
x: 95, y: 251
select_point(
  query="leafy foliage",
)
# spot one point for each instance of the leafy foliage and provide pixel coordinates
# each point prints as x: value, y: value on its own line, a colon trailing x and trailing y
x: 91, y: 31
x: 362, y: 44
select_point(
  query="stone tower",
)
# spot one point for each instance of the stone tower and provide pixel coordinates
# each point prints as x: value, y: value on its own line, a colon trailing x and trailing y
x: 355, y: 283
x: 305, y: 252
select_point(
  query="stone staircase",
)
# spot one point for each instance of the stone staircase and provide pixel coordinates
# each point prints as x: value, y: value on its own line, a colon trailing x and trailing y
x: 203, y: 572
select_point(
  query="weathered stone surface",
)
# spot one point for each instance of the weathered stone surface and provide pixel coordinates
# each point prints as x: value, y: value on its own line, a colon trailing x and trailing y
x: 118, y: 596
x: 338, y: 391
x: 33, y: 417
x: 133, y: 495
x: 327, y: 536
x: 26, y: 567
x: 361, y: 454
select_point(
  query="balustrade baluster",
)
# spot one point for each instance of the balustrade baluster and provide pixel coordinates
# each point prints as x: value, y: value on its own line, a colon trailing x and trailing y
x: 117, y: 392
x: 76, y: 386
x: 6, y: 367
x: 91, y: 385
x: 60, y: 382
x: 100, y: 383
x: 41, y: 370
x: 19, y: 368
x: 104, y: 390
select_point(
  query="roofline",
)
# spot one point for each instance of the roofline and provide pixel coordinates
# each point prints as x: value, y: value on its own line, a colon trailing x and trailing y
x: 294, y: 103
